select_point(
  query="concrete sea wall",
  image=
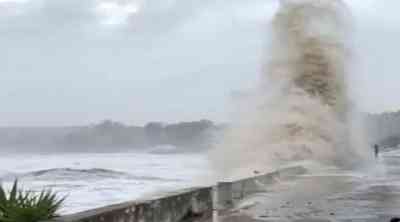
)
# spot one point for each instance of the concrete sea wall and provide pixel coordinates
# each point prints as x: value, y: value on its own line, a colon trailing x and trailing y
x: 230, y: 192
x: 188, y: 205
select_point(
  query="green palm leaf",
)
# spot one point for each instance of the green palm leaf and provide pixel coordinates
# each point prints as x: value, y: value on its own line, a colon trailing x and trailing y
x: 27, y: 206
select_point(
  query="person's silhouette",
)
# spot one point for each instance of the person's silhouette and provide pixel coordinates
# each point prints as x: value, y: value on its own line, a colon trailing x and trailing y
x: 376, y: 149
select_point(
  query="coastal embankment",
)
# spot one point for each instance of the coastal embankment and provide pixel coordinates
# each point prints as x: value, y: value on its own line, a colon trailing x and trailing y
x: 192, y: 204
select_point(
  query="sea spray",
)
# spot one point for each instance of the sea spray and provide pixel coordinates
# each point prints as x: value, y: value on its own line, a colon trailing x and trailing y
x: 301, y: 108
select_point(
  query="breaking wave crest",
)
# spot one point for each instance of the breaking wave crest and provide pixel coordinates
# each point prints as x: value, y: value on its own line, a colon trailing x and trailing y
x: 70, y: 174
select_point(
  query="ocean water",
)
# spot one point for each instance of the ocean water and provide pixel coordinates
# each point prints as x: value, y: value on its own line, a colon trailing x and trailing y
x: 91, y: 180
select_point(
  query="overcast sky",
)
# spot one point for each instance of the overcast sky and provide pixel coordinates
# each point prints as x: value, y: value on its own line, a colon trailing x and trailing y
x: 72, y: 62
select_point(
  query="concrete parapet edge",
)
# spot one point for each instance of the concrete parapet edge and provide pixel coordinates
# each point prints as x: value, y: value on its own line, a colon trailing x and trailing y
x: 194, y: 202
x: 187, y: 205
x: 230, y: 192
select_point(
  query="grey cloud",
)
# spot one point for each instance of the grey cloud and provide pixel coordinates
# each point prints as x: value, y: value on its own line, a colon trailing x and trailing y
x: 172, y: 60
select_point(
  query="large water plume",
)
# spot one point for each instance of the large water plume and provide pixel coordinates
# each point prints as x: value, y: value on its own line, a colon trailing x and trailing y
x: 301, y: 108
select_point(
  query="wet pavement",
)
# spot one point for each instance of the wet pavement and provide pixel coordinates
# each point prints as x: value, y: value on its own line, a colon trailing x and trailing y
x: 334, y: 195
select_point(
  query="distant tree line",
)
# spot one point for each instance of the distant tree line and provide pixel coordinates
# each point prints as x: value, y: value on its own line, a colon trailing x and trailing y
x: 384, y: 128
x: 109, y: 135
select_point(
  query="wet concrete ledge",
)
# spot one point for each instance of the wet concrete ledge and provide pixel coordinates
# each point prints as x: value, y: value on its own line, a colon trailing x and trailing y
x: 188, y: 205
x: 230, y: 192
x: 179, y: 206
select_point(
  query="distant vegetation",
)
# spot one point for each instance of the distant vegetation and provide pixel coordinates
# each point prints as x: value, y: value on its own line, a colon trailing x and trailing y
x: 26, y: 206
x: 110, y: 136
x: 384, y: 129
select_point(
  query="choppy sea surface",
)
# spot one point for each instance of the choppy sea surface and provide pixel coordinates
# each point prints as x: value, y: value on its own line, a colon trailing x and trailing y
x: 92, y: 180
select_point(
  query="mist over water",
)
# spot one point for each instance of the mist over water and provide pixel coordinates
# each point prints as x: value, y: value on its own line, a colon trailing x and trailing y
x: 301, y: 109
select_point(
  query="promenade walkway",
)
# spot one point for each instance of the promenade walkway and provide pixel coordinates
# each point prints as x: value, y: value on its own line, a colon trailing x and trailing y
x: 330, y: 196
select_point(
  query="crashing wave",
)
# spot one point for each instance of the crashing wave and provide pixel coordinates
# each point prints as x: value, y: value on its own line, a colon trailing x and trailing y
x: 71, y: 174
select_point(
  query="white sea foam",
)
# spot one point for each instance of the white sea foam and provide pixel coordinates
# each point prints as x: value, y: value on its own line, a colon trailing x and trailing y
x: 92, y: 180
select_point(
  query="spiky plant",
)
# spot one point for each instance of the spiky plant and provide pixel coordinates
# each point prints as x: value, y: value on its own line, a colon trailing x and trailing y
x: 26, y: 206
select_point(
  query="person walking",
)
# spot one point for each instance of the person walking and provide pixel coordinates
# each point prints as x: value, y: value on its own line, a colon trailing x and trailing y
x: 376, y: 150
